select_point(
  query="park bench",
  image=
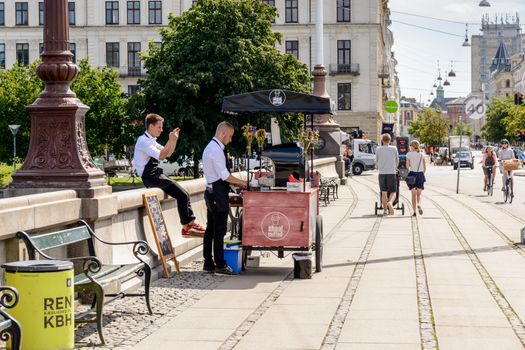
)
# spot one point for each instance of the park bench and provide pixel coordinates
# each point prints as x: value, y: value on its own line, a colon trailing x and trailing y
x: 9, y: 327
x: 95, y: 275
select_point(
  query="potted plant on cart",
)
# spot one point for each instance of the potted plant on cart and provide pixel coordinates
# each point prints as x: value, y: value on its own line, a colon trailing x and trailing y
x: 307, y: 137
x: 248, y: 131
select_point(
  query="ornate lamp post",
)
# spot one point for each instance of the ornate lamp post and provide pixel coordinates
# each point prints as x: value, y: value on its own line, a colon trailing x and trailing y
x: 328, y: 127
x: 58, y: 156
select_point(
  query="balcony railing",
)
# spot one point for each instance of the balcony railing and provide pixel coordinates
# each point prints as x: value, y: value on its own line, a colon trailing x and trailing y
x: 384, y: 72
x: 134, y: 71
x: 352, y: 69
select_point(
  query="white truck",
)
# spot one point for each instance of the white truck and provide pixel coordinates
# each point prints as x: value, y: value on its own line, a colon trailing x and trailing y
x: 454, y: 144
x: 364, y: 155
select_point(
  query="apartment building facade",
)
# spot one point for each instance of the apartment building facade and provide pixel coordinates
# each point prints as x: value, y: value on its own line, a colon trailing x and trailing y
x: 484, y: 47
x: 357, y: 44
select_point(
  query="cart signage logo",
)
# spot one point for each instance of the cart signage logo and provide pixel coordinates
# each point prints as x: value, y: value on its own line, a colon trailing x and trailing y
x: 275, y: 226
x: 277, y: 97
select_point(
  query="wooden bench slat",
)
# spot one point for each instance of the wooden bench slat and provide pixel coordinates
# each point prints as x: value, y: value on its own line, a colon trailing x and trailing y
x: 108, y: 273
x: 60, y: 238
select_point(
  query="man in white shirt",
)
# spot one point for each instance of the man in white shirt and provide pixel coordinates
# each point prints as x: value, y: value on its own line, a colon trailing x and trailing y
x: 146, y: 162
x: 387, y: 160
x: 218, y: 180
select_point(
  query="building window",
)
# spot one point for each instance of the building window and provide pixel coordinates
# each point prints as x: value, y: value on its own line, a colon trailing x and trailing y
x: 507, y: 83
x: 343, y: 10
x: 22, y: 54
x: 344, y: 97
x: 292, y: 47
x: 2, y: 56
x: 21, y: 13
x: 2, y: 14
x: 193, y: 2
x: 111, y: 12
x: 291, y: 11
x: 271, y: 3
x: 73, y: 49
x: 133, y: 12
x: 155, y: 12
x: 112, y: 55
x: 343, y: 51
x: 41, y: 13
x: 71, y: 13
x: 158, y: 44
x: 133, y: 89
x: 40, y: 49
x: 133, y: 59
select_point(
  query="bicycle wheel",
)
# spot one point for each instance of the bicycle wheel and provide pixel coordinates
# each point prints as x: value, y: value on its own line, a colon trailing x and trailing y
x: 506, y: 193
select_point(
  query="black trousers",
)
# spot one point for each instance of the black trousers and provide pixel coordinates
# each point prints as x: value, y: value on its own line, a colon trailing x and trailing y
x: 174, y: 190
x: 213, y: 244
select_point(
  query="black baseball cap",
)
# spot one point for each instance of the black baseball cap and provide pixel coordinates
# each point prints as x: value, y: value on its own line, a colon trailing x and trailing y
x: 504, y: 141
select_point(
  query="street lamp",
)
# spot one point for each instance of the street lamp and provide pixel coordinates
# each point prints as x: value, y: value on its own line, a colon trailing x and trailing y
x: 484, y: 3
x: 14, y: 130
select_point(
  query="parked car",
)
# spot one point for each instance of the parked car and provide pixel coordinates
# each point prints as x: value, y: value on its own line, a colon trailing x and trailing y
x: 176, y: 169
x: 464, y: 159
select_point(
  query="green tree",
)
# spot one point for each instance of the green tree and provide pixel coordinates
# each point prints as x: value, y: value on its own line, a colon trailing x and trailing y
x: 19, y: 87
x: 216, y: 49
x: 498, y: 116
x: 515, y: 121
x: 109, y: 127
x: 431, y: 127
x: 462, y: 129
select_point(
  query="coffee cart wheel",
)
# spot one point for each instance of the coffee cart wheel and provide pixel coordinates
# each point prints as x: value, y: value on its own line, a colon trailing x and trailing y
x: 319, y: 244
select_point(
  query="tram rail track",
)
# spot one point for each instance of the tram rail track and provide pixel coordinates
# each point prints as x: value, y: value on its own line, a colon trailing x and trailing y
x: 504, y: 305
x: 427, y: 327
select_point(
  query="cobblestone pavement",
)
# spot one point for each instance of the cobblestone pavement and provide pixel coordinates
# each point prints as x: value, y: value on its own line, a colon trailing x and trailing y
x: 127, y: 322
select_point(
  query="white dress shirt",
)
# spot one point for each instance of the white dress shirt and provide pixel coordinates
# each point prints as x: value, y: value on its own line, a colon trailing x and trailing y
x: 146, y: 147
x: 214, y: 162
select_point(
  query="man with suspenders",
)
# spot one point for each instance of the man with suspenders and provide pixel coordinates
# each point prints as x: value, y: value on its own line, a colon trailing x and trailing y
x: 218, y: 180
x: 146, y: 162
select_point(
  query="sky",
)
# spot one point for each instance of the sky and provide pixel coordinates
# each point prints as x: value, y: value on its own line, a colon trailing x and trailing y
x: 418, y: 50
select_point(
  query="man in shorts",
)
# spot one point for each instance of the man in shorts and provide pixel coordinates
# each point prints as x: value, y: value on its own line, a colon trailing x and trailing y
x: 387, y: 160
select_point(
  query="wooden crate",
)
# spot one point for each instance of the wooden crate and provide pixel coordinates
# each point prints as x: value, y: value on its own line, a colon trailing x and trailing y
x: 279, y: 218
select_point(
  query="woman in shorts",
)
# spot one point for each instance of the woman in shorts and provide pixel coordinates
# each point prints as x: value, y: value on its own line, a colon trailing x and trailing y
x: 417, y: 167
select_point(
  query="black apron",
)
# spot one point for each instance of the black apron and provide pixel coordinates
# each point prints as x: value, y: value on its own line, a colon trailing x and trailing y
x: 221, y: 189
x: 152, y: 174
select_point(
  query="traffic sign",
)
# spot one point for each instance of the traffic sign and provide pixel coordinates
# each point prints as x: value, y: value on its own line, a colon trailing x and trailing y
x: 474, y: 107
x: 391, y: 106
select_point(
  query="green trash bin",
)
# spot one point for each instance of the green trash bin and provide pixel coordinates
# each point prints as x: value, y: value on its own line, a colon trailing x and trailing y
x: 45, y: 309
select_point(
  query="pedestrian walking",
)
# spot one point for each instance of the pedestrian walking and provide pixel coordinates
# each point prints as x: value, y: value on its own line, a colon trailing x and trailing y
x: 387, y: 160
x: 417, y: 167
x: 218, y: 180
x: 146, y: 158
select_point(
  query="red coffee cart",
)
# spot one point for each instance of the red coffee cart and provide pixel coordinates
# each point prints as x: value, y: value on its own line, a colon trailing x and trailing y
x: 276, y: 219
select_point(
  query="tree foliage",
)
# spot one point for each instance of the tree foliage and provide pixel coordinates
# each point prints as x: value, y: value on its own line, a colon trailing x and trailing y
x: 431, y: 127
x: 494, y: 128
x: 216, y: 49
x: 19, y: 87
x: 109, y: 127
x: 462, y: 129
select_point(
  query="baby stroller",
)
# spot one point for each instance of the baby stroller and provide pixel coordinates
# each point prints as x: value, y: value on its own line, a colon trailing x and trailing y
x: 379, y: 205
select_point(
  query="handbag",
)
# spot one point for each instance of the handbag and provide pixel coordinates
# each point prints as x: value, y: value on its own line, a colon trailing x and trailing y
x: 411, y: 180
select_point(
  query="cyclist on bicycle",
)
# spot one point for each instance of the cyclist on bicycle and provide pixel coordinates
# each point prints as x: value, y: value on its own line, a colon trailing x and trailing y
x: 506, y: 153
x: 488, y: 162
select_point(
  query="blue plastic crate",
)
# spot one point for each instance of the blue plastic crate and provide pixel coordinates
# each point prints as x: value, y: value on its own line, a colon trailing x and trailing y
x: 233, y: 257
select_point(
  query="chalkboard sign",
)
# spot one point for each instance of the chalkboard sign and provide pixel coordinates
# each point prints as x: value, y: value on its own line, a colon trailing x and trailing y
x: 160, y: 232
